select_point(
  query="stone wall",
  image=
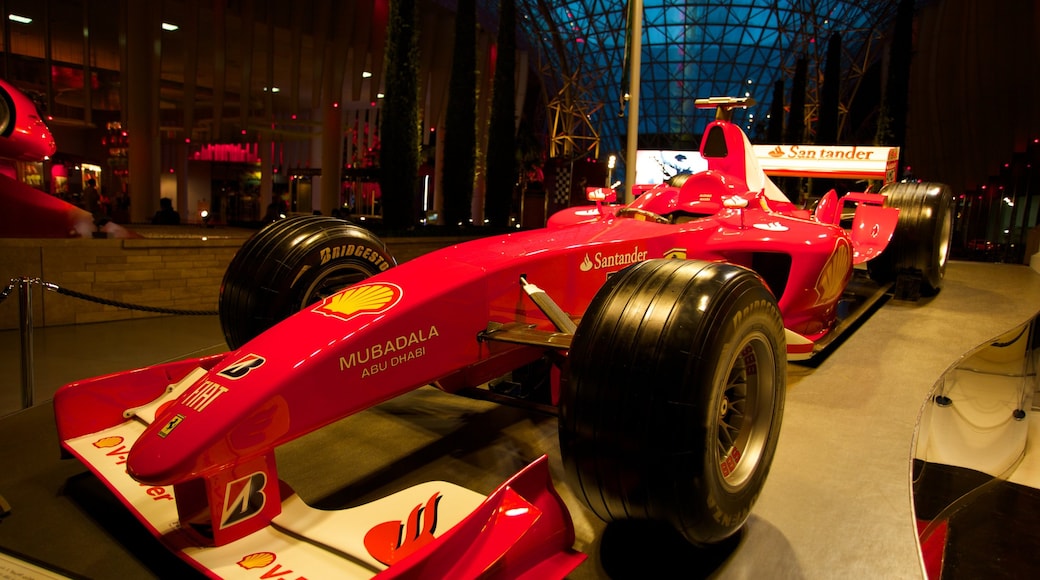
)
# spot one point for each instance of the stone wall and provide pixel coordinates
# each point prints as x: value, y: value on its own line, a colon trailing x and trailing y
x: 182, y: 273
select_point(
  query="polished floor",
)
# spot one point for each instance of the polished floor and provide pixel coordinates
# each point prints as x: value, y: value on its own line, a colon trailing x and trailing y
x: 836, y: 504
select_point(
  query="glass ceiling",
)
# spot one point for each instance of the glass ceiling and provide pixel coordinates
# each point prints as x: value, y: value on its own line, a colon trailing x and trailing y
x: 692, y: 50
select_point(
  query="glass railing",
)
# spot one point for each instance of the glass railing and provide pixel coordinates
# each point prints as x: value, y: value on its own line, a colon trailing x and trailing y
x: 975, y: 477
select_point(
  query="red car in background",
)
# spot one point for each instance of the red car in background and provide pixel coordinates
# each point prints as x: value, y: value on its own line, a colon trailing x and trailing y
x: 29, y: 212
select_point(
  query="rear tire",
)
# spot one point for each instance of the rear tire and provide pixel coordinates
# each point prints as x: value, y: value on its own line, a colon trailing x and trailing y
x: 672, y: 400
x: 920, y: 245
x: 291, y: 264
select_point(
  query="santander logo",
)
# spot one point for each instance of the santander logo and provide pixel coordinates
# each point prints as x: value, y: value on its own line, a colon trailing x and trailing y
x: 391, y: 541
x: 772, y: 227
x: 604, y: 260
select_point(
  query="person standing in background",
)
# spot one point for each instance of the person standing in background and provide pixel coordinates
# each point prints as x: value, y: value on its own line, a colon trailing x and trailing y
x: 92, y: 197
x: 166, y: 214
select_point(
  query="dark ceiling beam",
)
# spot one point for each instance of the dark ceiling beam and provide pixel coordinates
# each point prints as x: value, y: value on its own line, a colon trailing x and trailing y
x: 246, y: 42
x: 359, y: 27
x: 218, y: 21
x: 190, y: 26
x: 295, y: 54
x: 319, y: 32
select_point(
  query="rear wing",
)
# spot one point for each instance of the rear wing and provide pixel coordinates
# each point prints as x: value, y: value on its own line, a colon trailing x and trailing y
x: 832, y: 161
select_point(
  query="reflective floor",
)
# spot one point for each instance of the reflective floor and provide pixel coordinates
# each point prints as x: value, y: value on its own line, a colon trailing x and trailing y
x: 836, y: 504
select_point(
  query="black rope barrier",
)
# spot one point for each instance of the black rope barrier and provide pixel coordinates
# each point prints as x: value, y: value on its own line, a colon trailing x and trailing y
x: 105, y: 301
x: 25, y: 323
x: 10, y: 287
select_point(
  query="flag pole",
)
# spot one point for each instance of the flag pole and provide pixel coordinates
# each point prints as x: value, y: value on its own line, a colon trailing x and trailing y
x: 635, y: 48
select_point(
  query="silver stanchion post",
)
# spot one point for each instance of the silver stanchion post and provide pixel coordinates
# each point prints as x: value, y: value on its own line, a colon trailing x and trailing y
x: 25, y: 323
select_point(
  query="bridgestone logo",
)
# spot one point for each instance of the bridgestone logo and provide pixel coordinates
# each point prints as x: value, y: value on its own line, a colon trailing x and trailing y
x: 243, y: 499
x: 748, y: 311
x: 242, y: 366
x: 355, y: 251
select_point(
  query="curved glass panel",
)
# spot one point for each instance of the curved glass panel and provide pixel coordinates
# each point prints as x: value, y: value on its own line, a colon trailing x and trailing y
x: 975, y: 482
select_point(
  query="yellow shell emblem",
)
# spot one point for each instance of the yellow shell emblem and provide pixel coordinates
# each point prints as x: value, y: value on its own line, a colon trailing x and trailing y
x: 256, y: 560
x: 835, y: 272
x: 107, y: 442
x: 363, y: 299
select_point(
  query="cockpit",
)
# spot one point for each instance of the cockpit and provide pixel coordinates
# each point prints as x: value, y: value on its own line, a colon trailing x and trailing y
x: 733, y: 170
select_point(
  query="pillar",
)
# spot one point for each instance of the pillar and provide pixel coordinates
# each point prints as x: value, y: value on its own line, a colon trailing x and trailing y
x: 142, y: 107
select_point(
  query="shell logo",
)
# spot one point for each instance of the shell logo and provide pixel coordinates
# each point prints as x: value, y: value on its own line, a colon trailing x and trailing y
x: 256, y: 560
x: 835, y: 272
x: 110, y: 441
x: 362, y: 299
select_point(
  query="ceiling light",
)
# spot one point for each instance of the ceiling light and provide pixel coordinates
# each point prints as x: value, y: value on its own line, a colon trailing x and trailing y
x: 19, y: 19
x: 169, y: 27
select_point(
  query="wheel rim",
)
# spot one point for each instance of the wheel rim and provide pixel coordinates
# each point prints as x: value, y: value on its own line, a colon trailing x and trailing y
x: 745, y: 411
x: 331, y: 281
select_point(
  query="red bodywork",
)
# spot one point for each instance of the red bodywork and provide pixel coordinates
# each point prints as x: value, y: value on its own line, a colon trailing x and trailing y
x: 436, y: 320
x: 29, y: 212
x: 23, y: 135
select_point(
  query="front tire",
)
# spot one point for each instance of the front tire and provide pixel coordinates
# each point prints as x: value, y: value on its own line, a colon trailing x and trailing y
x: 672, y: 402
x: 291, y: 264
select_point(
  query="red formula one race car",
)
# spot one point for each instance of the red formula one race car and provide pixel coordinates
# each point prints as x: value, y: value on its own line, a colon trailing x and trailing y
x: 664, y: 326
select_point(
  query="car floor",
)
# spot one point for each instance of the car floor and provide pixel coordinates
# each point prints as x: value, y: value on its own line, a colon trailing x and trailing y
x: 837, y: 502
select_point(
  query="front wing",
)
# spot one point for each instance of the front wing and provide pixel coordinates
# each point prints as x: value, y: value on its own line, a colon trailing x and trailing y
x: 435, y: 529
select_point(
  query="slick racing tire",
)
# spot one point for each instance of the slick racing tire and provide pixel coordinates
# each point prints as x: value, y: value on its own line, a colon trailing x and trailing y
x: 291, y: 264
x: 672, y: 399
x: 920, y: 245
